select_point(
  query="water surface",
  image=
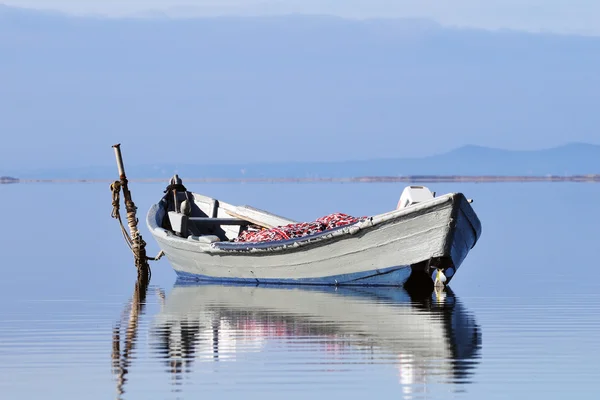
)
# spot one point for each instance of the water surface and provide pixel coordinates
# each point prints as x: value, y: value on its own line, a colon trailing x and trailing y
x: 520, y: 320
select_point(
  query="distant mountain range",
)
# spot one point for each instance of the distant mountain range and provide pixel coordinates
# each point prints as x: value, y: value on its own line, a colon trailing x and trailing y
x: 570, y: 159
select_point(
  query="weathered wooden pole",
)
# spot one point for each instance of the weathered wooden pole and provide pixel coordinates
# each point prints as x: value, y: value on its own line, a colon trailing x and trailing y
x: 138, y: 246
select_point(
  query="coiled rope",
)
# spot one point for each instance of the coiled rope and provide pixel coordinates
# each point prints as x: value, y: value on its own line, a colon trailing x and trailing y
x: 136, y: 244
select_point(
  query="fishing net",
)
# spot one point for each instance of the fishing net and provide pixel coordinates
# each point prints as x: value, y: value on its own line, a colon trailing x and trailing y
x: 291, y: 231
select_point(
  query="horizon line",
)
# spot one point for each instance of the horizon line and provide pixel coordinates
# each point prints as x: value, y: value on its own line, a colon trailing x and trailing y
x: 358, y: 179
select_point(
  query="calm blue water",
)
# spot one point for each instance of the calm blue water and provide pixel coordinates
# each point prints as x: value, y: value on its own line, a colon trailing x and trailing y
x: 522, y: 318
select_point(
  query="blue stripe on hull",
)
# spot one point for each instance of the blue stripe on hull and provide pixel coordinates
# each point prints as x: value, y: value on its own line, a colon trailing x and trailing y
x: 392, y: 276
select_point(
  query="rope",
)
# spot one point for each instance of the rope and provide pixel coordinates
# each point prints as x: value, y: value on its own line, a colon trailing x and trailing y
x: 157, y: 257
x: 136, y: 243
x: 115, y: 188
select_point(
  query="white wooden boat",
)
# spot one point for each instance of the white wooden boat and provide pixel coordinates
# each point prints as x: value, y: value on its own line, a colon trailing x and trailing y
x: 426, y: 337
x: 426, y: 236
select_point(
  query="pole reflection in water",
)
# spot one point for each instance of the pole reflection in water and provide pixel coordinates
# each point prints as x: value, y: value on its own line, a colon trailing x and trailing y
x: 429, y: 338
x: 122, y: 354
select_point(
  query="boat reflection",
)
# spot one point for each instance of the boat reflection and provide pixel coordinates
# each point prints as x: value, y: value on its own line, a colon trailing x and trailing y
x: 428, y: 337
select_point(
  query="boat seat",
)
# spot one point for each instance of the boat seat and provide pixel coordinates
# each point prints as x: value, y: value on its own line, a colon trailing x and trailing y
x: 218, y: 221
x: 204, y: 239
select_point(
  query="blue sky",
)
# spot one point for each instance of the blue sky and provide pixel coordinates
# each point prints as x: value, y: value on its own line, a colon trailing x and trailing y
x: 288, y: 89
x: 573, y: 16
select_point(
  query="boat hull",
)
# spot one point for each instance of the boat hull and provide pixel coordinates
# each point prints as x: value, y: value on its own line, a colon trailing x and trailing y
x: 381, y: 251
x: 393, y: 276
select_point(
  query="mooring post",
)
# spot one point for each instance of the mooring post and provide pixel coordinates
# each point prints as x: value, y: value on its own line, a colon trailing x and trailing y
x: 138, y: 246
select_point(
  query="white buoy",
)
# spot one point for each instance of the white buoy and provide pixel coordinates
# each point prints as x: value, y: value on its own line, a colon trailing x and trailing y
x: 186, y: 208
x: 440, y: 279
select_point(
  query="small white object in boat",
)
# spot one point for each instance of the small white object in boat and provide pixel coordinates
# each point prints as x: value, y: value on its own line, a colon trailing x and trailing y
x: 413, y: 195
x: 185, y: 207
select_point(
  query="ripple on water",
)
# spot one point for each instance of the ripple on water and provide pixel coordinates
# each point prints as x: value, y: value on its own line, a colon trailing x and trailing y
x: 232, y: 339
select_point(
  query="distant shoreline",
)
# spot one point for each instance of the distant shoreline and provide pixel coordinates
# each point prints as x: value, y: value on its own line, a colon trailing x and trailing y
x: 365, y: 179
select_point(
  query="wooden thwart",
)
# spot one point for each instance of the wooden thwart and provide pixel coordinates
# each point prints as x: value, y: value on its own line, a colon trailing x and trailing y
x: 258, y: 217
x: 219, y: 221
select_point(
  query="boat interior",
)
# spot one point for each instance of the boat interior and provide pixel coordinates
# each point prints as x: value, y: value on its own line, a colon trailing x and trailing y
x: 207, y: 219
